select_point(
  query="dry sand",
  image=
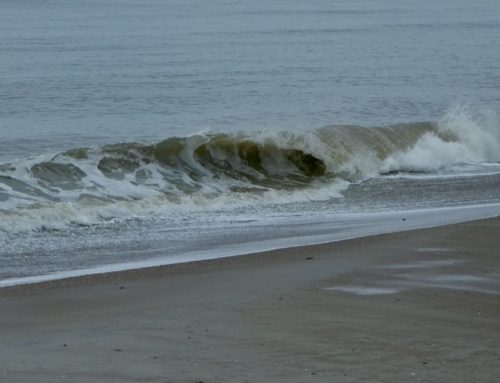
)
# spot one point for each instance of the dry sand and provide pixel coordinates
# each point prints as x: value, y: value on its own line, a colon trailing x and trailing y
x: 420, y: 306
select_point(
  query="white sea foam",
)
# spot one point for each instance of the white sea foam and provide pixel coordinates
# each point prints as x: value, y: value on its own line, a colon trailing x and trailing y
x: 462, y: 137
x: 60, y: 215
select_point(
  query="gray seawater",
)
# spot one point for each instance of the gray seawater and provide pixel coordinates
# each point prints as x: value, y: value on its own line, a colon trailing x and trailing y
x: 136, y: 129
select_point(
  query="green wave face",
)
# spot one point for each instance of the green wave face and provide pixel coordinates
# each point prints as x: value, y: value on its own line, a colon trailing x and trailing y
x: 232, y: 157
x: 279, y: 162
x: 263, y: 164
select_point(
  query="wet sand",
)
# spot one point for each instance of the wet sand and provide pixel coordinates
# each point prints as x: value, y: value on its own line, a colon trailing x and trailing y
x: 419, y: 306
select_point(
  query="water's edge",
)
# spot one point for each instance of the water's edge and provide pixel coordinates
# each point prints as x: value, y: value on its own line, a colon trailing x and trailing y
x: 352, y: 226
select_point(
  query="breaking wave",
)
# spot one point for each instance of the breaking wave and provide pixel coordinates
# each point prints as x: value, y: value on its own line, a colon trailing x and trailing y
x: 84, y: 186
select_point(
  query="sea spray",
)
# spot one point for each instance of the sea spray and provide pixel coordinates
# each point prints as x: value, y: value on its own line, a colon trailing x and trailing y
x: 460, y: 137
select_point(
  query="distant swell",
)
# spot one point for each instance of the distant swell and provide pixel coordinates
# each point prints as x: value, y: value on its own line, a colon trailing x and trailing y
x: 89, y: 185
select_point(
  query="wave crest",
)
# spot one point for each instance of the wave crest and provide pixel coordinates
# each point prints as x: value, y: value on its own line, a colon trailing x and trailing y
x: 95, y: 184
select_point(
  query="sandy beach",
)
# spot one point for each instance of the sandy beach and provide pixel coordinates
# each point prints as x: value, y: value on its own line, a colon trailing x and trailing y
x: 419, y: 306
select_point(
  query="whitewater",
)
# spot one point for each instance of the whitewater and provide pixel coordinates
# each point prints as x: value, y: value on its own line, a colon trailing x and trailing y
x: 238, y: 128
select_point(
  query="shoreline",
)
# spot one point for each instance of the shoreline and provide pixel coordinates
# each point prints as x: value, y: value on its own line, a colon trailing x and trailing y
x: 417, y: 305
x: 420, y: 219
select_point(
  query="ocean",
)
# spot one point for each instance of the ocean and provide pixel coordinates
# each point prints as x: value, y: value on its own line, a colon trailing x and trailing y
x: 139, y: 133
